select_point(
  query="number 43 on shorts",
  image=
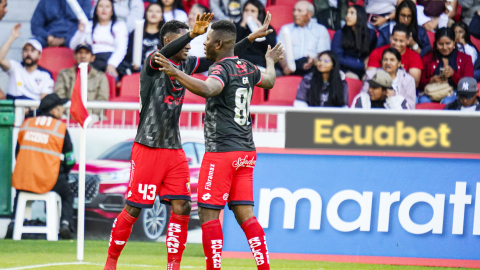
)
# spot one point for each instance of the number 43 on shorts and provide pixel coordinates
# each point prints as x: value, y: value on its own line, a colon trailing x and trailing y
x: 148, y: 191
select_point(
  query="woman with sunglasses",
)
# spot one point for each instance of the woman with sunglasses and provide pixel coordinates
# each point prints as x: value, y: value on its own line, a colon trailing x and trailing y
x: 324, y: 87
x: 406, y: 13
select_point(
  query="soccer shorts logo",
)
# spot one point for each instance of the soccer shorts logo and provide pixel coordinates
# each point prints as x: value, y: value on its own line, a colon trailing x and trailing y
x: 225, y: 196
x: 188, y: 186
x: 206, y: 196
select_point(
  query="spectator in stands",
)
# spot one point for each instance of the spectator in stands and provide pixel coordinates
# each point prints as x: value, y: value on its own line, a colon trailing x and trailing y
x: 254, y: 13
x: 331, y: 13
x: 27, y: 79
x: 402, y: 82
x: 197, y: 43
x: 469, y: 8
x: 445, y: 64
x: 307, y: 37
x: 354, y: 43
x: 380, y: 95
x: 44, y: 166
x: 229, y: 9
x: 3, y: 8
x: 406, y: 13
x: 411, y: 60
x: 324, y: 86
x: 53, y: 23
x: 438, y: 13
x: 462, y: 38
x: 128, y: 11
x: 108, y: 38
x: 151, y: 35
x: 173, y: 10
x: 467, y: 96
x: 381, y: 12
x: 188, y: 4
x: 98, y: 89
x: 474, y: 29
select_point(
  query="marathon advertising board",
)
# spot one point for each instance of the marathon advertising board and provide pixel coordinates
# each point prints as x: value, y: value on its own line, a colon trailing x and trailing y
x: 370, y: 209
x: 353, y: 130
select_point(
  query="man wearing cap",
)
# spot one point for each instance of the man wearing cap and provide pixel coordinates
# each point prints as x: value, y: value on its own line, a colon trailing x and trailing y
x: 467, y: 96
x: 27, y: 79
x: 45, y: 157
x: 380, y: 95
x: 98, y: 89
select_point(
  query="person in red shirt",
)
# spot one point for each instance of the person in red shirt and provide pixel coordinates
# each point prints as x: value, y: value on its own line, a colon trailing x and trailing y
x: 411, y: 60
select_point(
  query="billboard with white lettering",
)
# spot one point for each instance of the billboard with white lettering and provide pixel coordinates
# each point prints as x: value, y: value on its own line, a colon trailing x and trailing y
x: 365, y: 206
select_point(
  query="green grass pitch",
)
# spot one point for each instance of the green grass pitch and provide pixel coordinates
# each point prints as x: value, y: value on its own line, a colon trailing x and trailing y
x: 142, y: 255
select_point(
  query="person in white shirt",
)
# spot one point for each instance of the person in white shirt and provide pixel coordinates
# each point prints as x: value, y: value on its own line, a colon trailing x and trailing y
x: 128, y: 11
x: 26, y: 80
x: 464, y: 43
x: 173, y: 10
x: 108, y: 38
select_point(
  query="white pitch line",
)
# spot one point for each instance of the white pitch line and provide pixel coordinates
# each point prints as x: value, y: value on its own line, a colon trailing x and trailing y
x: 44, y: 265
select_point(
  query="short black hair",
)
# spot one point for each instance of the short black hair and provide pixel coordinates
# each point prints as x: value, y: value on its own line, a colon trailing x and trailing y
x: 225, y: 27
x: 172, y: 26
x: 400, y: 27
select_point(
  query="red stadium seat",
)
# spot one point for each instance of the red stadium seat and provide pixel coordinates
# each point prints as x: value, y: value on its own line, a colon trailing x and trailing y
x: 431, y: 37
x: 359, y: 3
x: 475, y: 42
x: 281, y: 15
x: 146, y: 4
x: 430, y: 106
x: 284, y: 91
x: 458, y: 14
x: 112, y: 85
x: 331, y: 33
x: 56, y: 59
x: 130, y: 85
x: 354, y: 87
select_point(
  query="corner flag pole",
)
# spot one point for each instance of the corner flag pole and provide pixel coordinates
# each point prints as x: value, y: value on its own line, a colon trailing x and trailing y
x: 81, y: 168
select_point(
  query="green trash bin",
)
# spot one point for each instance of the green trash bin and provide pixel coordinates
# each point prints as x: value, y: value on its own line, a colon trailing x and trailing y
x: 7, y: 116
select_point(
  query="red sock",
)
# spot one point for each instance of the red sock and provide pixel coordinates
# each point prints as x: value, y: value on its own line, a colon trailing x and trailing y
x: 257, y: 242
x: 176, y: 240
x: 212, y: 240
x: 122, y: 227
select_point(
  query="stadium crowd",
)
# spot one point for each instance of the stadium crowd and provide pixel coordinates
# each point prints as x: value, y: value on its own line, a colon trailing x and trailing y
x: 391, y: 54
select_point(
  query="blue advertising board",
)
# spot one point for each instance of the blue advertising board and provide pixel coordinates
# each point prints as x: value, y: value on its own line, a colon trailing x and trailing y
x: 365, y: 206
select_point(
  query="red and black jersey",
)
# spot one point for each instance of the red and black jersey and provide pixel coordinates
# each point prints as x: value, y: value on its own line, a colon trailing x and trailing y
x: 228, y: 125
x: 161, y: 99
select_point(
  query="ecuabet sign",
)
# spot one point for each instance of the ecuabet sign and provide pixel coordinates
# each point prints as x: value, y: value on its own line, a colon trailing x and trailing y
x: 366, y: 206
x: 355, y: 130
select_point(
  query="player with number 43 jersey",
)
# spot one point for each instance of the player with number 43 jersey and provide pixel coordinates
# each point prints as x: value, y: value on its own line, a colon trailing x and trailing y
x: 226, y: 174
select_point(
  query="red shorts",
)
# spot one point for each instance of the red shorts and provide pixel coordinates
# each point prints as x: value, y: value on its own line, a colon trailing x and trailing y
x: 226, y: 177
x: 157, y: 171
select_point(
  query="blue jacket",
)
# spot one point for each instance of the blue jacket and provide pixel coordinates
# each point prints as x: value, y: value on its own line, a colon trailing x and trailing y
x: 349, y: 58
x: 384, y: 39
x: 56, y: 18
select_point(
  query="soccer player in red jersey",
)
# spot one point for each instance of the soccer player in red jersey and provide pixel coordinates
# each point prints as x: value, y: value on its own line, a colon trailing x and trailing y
x: 226, y: 173
x: 158, y: 163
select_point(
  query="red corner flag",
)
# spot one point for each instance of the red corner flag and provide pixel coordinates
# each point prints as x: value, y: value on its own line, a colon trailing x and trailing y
x: 77, y: 108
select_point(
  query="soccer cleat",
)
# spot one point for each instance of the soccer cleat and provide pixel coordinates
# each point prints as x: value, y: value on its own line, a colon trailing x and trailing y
x: 111, y: 264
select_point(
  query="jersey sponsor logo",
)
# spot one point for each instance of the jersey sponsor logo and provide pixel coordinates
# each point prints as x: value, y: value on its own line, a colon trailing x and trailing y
x: 244, y: 162
x: 254, y: 243
x: 206, y: 197
x: 217, y: 246
x: 37, y: 137
x: 225, y: 196
x: 217, y: 70
x: 171, y: 100
x: 208, y: 185
x: 172, y: 239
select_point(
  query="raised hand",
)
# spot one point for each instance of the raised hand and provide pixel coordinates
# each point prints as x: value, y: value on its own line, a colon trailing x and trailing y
x: 16, y: 31
x: 276, y: 54
x: 263, y: 30
x: 201, y: 24
x: 166, y: 66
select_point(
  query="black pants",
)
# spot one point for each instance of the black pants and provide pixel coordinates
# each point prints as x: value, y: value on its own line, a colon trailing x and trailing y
x: 62, y: 188
x: 101, y: 63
